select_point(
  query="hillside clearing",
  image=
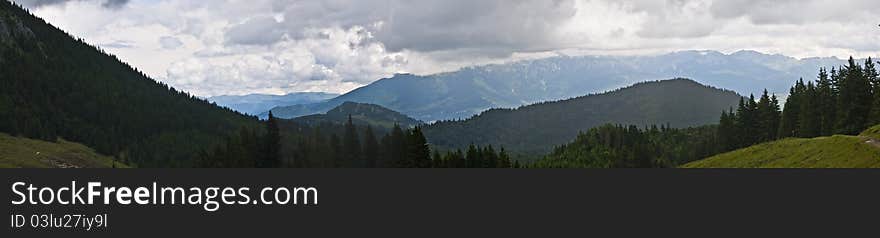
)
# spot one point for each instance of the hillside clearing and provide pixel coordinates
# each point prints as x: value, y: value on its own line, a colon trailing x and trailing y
x: 16, y: 152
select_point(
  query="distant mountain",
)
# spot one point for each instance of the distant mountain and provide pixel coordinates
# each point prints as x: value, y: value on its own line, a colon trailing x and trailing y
x: 361, y: 114
x: 255, y: 104
x: 536, y: 129
x: 55, y: 86
x: 469, y: 91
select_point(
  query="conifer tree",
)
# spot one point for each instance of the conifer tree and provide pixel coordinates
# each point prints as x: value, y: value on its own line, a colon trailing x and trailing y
x: 809, y: 121
x: 504, y: 159
x: 854, y: 103
x: 335, y: 153
x: 351, y: 150
x: 371, y: 148
x: 727, y: 131
x: 768, y: 117
x: 827, y: 102
x: 873, y: 78
x: 397, y: 148
x: 418, y: 152
x: 272, y: 144
x: 791, y: 115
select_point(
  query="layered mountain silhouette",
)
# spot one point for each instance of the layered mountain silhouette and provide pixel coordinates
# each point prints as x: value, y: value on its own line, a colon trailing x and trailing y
x: 360, y: 114
x: 536, y: 129
x: 255, y: 104
x: 469, y: 91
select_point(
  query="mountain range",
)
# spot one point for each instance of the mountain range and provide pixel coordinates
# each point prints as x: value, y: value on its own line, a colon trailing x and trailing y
x: 255, y: 104
x: 361, y: 114
x: 469, y: 91
x: 536, y: 129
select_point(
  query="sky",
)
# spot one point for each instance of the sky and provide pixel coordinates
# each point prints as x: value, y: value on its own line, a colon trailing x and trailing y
x: 236, y: 47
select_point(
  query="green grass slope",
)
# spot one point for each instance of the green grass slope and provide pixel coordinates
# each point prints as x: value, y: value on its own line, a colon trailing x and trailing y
x: 837, y: 151
x: 17, y: 152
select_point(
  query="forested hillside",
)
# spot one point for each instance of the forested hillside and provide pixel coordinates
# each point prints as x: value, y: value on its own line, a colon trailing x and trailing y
x: 616, y: 146
x: 469, y: 91
x: 834, y: 108
x: 536, y: 129
x: 53, y: 85
x: 291, y: 144
x: 361, y: 114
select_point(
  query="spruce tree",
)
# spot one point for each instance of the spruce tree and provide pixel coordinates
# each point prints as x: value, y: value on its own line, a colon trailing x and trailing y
x: 418, y: 152
x: 854, y: 103
x: 371, y: 148
x: 504, y: 159
x: 727, y: 132
x: 827, y: 101
x: 336, y: 156
x: 272, y: 143
x: 397, y: 148
x: 809, y: 121
x: 788, y: 125
x: 768, y: 117
x: 873, y: 78
x: 351, y: 150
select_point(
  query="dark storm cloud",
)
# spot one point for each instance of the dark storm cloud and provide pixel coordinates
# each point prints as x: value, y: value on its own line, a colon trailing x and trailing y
x: 795, y: 11
x: 39, y: 3
x: 256, y: 31
x: 426, y: 26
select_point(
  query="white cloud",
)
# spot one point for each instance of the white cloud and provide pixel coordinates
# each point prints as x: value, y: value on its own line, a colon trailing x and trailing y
x: 281, y: 46
x: 170, y: 42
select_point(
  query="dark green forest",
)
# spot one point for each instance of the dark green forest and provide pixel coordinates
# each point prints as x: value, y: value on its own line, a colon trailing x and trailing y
x: 289, y: 144
x: 533, y: 131
x: 617, y: 146
x: 53, y: 85
x: 845, y: 101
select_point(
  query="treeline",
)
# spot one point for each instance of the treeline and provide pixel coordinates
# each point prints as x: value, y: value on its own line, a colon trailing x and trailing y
x: 474, y: 157
x: 287, y: 144
x: 53, y: 85
x: 617, y: 146
x: 844, y: 101
x: 533, y: 131
x: 753, y: 122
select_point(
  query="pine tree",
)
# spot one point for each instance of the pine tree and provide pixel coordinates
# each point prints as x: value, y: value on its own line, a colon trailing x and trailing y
x: 371, y: 148
x: 809, y: 121
x: 472, y: 157
x: 727, y: 131
x: 873, y: 78
x: 336, y: 156
x: 788, y: 125
x: 854, y: 103
x: 418, y: 152
x: 827, y: 101
x: 397, y: 148
x: 351, y: 150
x: 272, y: 144
x: 504, y: 159
x: 768, y: 117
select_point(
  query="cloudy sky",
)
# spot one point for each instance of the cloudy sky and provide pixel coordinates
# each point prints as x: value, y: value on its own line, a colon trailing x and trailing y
x: 219, y: 47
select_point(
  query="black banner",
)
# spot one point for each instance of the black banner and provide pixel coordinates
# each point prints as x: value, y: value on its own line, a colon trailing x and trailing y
x: 456, y: 202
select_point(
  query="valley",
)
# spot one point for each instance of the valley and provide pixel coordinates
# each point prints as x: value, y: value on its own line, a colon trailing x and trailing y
x: 67, y: 103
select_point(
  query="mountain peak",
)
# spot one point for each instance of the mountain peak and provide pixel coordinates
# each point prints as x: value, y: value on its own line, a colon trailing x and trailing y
x: 361, y: 114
